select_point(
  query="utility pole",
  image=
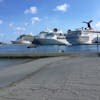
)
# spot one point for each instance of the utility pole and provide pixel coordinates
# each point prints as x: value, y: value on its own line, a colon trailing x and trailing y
x: 97, y: 44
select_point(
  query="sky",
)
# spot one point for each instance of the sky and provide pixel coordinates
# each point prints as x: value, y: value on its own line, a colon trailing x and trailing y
x: 33, y: 16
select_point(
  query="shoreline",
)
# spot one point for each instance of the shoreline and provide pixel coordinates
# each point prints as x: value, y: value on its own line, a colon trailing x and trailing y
x: 45, y: 55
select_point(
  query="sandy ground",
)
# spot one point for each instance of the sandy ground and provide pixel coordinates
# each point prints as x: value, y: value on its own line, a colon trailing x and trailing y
x: 62, y: 78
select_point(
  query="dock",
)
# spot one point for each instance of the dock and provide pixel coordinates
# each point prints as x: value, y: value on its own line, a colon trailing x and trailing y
x: 42, y: 55
x: 53, y: 78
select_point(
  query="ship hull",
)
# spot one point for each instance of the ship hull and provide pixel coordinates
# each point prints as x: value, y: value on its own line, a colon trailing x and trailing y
x: 78, y: 40
x: 83, y: 37
x: 21, y: 42
x: 44, y: 41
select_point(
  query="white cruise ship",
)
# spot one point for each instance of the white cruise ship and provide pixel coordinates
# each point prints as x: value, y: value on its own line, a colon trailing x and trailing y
x: 51, y: 37
x: 83, y: 35
x: 24, y: 39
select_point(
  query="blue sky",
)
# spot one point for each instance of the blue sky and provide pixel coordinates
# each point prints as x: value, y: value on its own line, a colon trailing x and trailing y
x: 32, y: 16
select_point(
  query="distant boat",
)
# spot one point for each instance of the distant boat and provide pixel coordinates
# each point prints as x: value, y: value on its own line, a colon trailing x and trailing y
x: 83, y: 35
x: 1, y: 43
x: 51, y: 37
x: 24, y: 39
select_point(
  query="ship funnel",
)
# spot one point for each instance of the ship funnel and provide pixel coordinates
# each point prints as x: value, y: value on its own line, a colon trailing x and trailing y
x: 55, y: 29
x: 88, y: 24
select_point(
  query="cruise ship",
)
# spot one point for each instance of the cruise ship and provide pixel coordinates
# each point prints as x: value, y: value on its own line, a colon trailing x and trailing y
x: 84, y: 35
x: 24, y: 39
x: 51, y: 37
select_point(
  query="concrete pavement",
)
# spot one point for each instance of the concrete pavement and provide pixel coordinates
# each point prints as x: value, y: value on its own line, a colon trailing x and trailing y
x: 70, y: 78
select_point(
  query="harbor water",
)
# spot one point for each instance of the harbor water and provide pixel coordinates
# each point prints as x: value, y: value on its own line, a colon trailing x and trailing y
x: 48, y: 48
x: 4, y: 62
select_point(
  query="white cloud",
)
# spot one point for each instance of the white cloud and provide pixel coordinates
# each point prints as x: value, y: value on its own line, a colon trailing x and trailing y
x: 1, y: 21
x: 31, y: 10
x: 63, y: 7
x: 97, y: 24
x: 11, y: 25
x: 20, y: 30
x: 1, y: 34
x: 35, y: 19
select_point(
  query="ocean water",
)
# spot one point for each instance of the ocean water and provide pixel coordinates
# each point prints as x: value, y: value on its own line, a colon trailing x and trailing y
x: 49, y: 48
x: 4, y: 63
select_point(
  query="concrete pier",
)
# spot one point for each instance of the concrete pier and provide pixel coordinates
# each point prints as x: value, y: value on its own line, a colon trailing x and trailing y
x: 75, y: 77
x: 41, y: 55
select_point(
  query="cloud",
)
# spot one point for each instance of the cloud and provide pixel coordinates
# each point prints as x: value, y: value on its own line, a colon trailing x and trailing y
x: 10, y: 25
x: 20, y: 30
x: 31, y: 10
x: 1, y: 21
x: 1, y: 34
x: 35, y: 19
x: 64, y: 7
x: 97, y: 24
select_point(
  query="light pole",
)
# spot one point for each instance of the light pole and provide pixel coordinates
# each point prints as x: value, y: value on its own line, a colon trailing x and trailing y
x: 97, y: 44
